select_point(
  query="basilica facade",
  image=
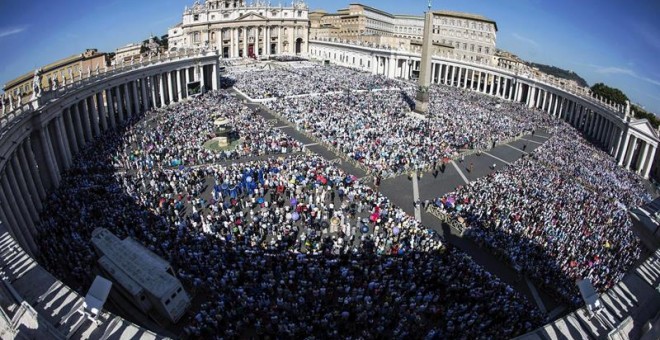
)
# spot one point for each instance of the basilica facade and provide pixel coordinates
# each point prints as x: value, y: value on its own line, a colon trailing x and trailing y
x: 238, y: 29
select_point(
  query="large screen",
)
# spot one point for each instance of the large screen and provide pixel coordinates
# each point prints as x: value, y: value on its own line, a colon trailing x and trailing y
x: 194, y: 88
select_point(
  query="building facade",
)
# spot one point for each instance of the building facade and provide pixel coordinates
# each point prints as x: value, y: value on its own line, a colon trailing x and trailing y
x: 237, y: 29
x: 126, y: 53
x: 56, y: 74
x: 471, y: 37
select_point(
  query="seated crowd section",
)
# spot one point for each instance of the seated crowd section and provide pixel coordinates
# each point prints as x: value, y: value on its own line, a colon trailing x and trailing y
x: 559, y: 215
x: 272, y: 240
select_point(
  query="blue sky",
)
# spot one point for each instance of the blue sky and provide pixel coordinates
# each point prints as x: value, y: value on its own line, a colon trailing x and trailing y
x: 614, y: 42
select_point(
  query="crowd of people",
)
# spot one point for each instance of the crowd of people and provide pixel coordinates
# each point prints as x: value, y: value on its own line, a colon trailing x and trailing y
x: 180, y: 134
x: 558, y: 215
x: 289, y: 245
x: 290, y: 81
x: 286, y: 247
x: 376, y: 129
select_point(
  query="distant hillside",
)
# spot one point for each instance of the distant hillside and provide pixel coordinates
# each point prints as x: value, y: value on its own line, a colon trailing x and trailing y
x: 561, y: 73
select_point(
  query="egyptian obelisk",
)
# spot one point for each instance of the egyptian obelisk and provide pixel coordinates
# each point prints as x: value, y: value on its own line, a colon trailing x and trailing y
x: 424, y: 81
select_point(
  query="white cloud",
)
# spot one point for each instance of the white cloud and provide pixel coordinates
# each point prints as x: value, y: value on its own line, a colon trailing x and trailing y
x: 5, y: 32
x: 525, y: 39
x: 609, y: 70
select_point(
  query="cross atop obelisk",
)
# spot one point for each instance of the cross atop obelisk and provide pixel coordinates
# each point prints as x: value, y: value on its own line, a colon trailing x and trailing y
x: 424, y: 82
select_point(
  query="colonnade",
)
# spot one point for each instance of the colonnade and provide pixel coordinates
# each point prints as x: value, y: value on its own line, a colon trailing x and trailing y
x: 39, y: 148
x: 632, y: 142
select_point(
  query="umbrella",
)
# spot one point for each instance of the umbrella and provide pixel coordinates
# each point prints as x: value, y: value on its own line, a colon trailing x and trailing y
x: 364, y: 229
x: 260, y: 200
x: 249, y: 179
x: 295, y: 216
x: 294, y: 201
x: 224, y: 186
x: 325, y: 224
x: 395, y: 231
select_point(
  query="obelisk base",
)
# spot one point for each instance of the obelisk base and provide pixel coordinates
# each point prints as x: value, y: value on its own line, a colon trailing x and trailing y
x: 422, y: 102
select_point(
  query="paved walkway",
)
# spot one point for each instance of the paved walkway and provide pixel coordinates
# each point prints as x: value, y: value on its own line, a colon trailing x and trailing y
x: 402, y: 192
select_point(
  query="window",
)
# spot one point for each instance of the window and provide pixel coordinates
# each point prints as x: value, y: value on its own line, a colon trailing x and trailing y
x: 212, y: 17
x: 196, y: 17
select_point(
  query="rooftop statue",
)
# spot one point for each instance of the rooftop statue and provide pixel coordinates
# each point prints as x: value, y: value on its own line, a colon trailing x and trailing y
x: 36, y: 84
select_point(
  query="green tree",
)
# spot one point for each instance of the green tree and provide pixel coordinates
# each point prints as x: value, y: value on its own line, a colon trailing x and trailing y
x: 613, y: 94
x: 164, y: 42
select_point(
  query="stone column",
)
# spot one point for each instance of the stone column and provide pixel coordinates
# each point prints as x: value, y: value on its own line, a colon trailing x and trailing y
x: 621, y: 146
x: 120, y: 104
x: 26, y: 173
x: 127, y: 99
x: 16, y: 222
x: 245, y: 43
x: 30, y: 164
x: 71, y: 132
x: 453, y: 74
x: 145, y: 96
x: 232, y: 42
x: 649, y: 162
x: 38, y: 160
x: 112, y: 111
x: 80, y: 135
x: 87, y: 126
x: 14, y: 229
x: 170, y: 86
x: 21, y: 189
x: 58, y: 154
x: 187, y: 74
x: 268, y: 39
x: 150, y: 86
x: 214, y: 77
x: 178, y: 85
x: 264, y: 42
x: 603, y: 130
x: 292, y: 41
x: 50, y: 157
x: 94, y: 114
x: 202, y: 78
x: 218, y: 45
x: 237, y: 42
x: 630, y: 152
x: 161, y: 89
x: 17, y: 204
x: 136, y: 97
x: 64, y: 140
x: 465, y: 78
x: 642, y: 158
